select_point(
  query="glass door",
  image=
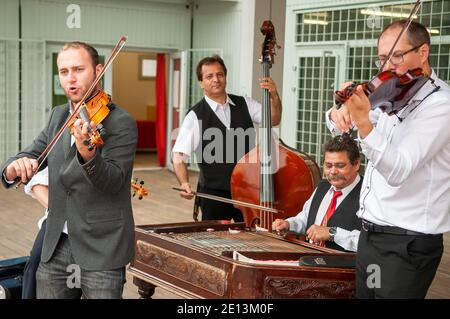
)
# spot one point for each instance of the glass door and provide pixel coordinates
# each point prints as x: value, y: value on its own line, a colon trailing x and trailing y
x: 317, y: 78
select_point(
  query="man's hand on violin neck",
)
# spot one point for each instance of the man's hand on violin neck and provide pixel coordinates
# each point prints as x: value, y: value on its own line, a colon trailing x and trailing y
x: 23, y: 168
x: 81, y: 134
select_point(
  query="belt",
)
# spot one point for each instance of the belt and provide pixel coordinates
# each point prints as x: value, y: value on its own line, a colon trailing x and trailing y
x: 374, y: 228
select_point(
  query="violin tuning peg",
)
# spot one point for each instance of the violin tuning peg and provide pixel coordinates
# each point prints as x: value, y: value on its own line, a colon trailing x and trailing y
x: 142, y: 182
x: 86, y: 142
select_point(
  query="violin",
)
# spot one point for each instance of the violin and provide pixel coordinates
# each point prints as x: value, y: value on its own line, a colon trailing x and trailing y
x: 138, y: 188
x: 387, y: 90
x: 94, y: 110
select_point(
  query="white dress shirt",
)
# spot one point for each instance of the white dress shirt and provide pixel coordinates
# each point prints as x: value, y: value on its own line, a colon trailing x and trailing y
x: 407, y: 178
x: 347, y: 239
x: 188, y: 137
x: 41, y: 178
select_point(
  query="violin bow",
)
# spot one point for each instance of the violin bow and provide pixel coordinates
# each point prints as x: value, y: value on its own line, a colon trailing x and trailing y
x: 41, y: 159
x: 413, y: 12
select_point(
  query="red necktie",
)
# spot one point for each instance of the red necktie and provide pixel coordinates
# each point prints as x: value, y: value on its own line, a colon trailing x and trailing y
x: 331, y: 208
x: 330, y: 211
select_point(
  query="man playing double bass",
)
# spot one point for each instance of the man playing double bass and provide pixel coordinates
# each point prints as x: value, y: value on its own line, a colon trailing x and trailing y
x: 89, y: 237
x: 215, y: 128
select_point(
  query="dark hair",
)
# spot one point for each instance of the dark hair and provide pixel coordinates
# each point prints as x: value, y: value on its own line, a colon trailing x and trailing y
x: 417, y: 33
x: 342, y: 143
x: 207, y: 61
x: 89, y: 49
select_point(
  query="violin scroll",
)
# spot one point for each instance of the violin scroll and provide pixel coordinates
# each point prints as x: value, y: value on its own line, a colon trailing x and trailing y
x: 138, y: 188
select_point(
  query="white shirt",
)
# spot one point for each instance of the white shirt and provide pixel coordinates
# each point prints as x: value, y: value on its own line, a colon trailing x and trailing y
x: 407, y: 178
x: 188, y: 137
x: 40, y: 178
x: 347, y: 239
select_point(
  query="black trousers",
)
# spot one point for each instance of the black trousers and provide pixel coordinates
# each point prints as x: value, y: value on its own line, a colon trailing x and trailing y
x: 215, y: 210
x: 396, y: 266
x: 29, y: 272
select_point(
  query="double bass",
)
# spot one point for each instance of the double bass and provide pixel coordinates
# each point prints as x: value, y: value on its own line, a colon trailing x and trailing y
x: 272, y: 174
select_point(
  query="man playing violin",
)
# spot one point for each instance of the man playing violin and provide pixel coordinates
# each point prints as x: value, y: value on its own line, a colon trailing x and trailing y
x: 89, y: 235
x: 207, y: 130
x: 405, y: 197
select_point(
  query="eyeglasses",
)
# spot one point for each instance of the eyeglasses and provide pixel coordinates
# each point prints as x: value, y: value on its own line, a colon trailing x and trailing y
x: 396, y: 59
x: 337, y: 165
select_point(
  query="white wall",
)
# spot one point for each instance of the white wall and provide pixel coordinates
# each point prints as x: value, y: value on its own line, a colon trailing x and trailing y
x: 9, y: 78
x: 9, y: 19
x: 228, y: 25
x: 149, y: 24
x: 314, y: 4
x: 234, y: 27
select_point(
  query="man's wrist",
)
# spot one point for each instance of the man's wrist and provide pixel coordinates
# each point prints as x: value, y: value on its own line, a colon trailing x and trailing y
x: 87, y: 156
x: 6, y: 178
x: 364, y: 128
x: 332, y: 233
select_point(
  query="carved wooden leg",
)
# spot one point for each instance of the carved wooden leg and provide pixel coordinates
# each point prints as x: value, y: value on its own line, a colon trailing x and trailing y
x: 145, y: 289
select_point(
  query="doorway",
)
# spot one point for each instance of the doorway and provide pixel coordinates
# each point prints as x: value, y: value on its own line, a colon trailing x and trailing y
x: 134, y: 89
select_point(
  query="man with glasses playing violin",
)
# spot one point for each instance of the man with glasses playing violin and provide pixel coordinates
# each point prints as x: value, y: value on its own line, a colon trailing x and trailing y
x: 405, y: 196
x: 89, y: 237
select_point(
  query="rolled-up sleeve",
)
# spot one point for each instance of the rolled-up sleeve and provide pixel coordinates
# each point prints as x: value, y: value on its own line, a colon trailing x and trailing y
x: 347, y: 239
x: 41, y: 178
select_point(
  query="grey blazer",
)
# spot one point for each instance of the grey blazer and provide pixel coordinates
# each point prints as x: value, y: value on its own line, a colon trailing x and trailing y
x: 93, y: 197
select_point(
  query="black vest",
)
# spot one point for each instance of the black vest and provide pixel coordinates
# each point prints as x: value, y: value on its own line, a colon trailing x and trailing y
x: 345, y: 214
x: 220, y: 149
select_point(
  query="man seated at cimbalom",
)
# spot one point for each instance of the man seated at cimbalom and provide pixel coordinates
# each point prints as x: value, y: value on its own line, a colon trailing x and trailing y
x: 328, y: 217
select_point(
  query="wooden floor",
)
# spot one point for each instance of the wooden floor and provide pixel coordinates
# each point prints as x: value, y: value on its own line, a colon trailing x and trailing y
x: 19, y: 214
